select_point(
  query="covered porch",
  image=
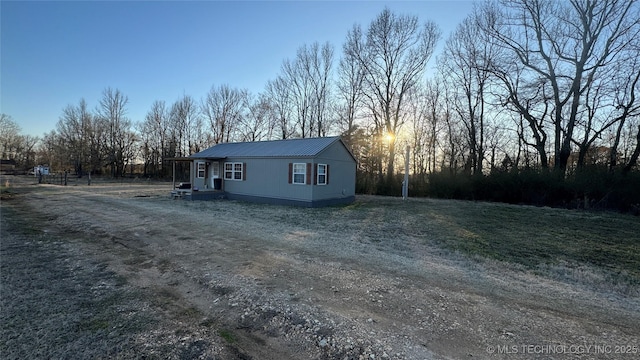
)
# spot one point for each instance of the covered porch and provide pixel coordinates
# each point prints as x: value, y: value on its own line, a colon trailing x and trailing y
x: 205, y: 181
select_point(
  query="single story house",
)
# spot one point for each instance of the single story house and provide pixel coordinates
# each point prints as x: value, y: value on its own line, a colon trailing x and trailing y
x: 307, y: 172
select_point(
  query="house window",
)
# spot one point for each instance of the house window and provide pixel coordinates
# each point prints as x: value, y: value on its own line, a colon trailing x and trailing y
x: 237, y: 171
x: 201, y: 169
x: 228, y: 171
x: 233, y: 171
x: 322, y: 174
x: 300, y: 173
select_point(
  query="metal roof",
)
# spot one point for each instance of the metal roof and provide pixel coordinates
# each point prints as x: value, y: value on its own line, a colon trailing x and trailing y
x: 308, y: 147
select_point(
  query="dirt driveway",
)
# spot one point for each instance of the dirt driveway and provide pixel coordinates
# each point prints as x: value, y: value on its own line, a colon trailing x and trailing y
x: 222, y: 280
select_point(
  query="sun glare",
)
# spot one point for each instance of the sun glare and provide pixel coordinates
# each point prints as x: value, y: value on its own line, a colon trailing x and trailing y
x: 389, y: 137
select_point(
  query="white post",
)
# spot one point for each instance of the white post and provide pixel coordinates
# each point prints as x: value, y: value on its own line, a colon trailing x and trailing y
x: 405, y: 183
x: 174, y: 175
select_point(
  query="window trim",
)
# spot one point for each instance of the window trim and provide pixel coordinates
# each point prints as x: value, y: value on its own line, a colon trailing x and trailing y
x: 201, y: 172
x: 303, y: 172
x: 318, y: 174
x: 236, y: 173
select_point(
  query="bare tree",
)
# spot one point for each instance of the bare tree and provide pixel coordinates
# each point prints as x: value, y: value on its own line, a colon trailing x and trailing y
x: 183, y: 118
x: 320, y: 73
x: 394, y: 54
x: 50, y: 150
x: 436, y: 110
x: 224, y: 108
x: 147, y: 143
x: 627, y: 105
x: 259, y: 122
x: 198, y: 133
x: 74, y: 128
x: 278, y: 96
x: 447, y: 131
x: 28, y: 150
x: 608, y: 103
x: 154, y: 135
x: 419, y: 115
x: 633, y: 159
x: 119, y: 136
x: 558, y: 49
x: 15, y: 146
x: 306, y: 79
x: 349, y: 99
x: 298, y: 86
x: 464, y: 60
x: 9, y: 137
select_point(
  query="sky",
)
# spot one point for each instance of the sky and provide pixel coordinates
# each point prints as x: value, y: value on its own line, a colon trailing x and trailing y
x: 54, y: 53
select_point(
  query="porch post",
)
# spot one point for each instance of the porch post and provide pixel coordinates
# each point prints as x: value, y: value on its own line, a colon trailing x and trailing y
x: 174, y: 175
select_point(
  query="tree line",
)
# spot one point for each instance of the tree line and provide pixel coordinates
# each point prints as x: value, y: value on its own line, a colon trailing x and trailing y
x: 520, y: 86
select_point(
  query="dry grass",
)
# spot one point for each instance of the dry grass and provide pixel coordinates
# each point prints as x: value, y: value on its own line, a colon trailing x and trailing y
x: 543, y: 240
x: 58, y: 303
x: 573, y: 245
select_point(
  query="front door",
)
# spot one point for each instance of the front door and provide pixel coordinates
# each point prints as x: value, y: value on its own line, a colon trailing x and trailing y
x: 214, y: 173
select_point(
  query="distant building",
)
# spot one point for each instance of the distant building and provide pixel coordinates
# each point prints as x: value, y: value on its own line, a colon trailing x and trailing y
x: 7, y: 166
x: 304, y: 172
x: 41, y: 170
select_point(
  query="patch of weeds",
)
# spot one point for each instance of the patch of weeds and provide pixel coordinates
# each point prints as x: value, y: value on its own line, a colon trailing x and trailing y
x: 227, y: 335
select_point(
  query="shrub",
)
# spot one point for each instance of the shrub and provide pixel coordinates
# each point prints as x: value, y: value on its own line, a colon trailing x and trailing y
x: 586, y: 188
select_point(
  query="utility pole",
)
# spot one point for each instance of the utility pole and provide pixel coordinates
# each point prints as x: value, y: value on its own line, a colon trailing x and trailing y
x: 405, y: 182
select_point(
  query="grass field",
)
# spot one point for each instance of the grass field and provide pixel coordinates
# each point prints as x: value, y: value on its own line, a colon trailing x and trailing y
x: 545, y: 240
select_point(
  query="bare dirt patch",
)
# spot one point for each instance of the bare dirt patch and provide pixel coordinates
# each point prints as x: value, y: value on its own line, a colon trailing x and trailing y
x: 380, y: 278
